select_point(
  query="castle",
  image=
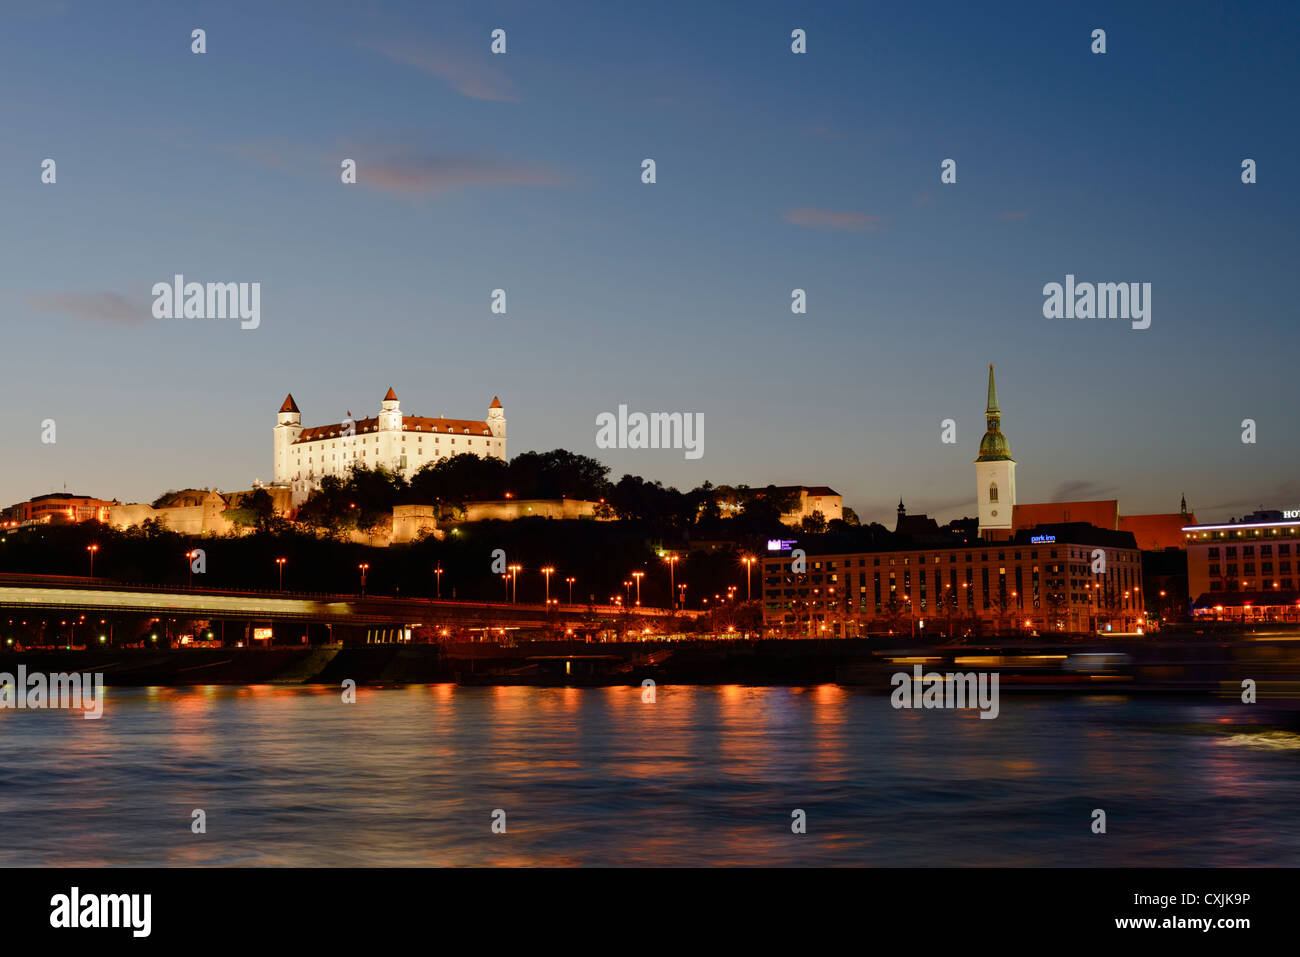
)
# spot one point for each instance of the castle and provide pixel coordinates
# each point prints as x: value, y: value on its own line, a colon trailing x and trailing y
x: 400, y: 443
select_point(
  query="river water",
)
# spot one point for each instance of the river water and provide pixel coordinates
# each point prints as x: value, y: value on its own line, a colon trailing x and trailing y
x: 701, y: 776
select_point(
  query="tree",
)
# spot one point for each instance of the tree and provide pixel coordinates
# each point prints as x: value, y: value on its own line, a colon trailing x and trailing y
x: 252, y: 511
x: 814, y: 524
x: 458, y: 479
x: 557, y: 474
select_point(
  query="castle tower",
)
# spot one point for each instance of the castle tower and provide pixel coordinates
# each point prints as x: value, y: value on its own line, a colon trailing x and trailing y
x: 390, y: 419
x: 995, y: 473
x: 288, y: 426
x: 496, y: 422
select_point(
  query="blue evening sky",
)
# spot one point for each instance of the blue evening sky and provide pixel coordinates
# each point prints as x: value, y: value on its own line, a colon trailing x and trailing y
x: 775, y: 171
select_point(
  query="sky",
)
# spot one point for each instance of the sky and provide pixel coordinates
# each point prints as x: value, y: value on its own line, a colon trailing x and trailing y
x: 775, y: 171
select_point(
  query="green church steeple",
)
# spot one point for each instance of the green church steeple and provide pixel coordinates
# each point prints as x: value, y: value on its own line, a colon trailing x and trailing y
x: 994, y: 446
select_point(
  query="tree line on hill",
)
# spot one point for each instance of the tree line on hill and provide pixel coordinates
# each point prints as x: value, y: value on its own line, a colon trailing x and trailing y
x: 364, y: 497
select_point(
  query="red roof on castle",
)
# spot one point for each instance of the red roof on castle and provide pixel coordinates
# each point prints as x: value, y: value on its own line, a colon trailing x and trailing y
x: 410, y: 423
x: 496, y: 403
x: 391, y: 396
x: 289, y: 404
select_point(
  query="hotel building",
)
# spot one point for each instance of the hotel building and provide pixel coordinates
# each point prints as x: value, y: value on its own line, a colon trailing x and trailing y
x: 1040, y: 580
x: 1247, y: 569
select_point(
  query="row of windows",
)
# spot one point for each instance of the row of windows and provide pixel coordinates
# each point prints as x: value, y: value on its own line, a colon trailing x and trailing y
x: 1290, y: 532
x: 1249, y: 550
x: 1265, y: 568
x: 368, y: 428
x: 418, y: 451
x: 1286, y: 583
x: 1120, y: 557
x: 420, y: 439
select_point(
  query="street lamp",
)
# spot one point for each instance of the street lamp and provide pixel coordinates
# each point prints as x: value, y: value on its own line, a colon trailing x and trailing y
x: 189, y: 565
x: 672, y: 563
x: 681, y: 592
x: 514, y: 581
x: 570, y: 580
x: 280, y: 565
x: 363, y: 568
x: 92, y: 549
x: 438, y: 571
x: 638, y: 576
x: 748, y: 562
x: 548, y: 572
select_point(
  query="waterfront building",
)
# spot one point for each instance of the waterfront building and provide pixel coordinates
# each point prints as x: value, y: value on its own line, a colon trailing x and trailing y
x: 1039, y: 580
x: 398, y: 442
x: 1246, y: 569
x: 57, y: 507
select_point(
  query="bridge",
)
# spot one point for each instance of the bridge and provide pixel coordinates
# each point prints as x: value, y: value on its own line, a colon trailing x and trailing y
x: 43, y: 596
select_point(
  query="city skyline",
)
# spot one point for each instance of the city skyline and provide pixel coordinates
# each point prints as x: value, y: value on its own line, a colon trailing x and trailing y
x: 775, y: 172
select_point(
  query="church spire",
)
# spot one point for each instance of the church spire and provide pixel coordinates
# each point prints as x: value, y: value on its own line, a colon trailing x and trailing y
x: 994, y: 446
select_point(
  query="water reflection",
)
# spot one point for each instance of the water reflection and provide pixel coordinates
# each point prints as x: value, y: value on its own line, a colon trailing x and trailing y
x: 703, y: 775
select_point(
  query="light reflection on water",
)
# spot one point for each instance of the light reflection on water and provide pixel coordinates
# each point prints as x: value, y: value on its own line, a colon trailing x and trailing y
x: 709, y: 775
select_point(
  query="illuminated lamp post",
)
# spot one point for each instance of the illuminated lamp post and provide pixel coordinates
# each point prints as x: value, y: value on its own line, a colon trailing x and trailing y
x: 363, y: 568
x: 638, y: 576
x: 672, y: 564
x: 279, y: 562
x: 548, y: 572
x: 92, y: 549
x: 748, y: 562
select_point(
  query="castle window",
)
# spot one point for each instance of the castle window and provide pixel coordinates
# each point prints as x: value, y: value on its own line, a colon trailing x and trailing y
x: 993, y: 492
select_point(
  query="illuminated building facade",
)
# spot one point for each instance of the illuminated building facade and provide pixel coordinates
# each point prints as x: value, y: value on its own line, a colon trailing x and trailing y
x: 58, y: 507
x: 1246, y: 569
x: 400, y: 443
x: 1040, y: 580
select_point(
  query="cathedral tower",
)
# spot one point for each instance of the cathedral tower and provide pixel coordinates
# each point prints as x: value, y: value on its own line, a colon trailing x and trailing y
x: 995, y: 473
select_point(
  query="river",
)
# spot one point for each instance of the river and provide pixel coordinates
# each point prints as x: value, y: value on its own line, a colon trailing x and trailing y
x: 701, y: 776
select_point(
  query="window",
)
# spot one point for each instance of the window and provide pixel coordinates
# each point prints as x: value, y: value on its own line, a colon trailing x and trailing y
x: 993, y: 492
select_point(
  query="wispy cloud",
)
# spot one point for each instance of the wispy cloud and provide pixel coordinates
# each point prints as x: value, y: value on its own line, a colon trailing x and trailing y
x: 468, y: 75
x: 1013, y: 215
x: 1282, y: 493
x: 1082, y: 491
x: 814, y: 218
x: 100, y: 305
x: 423, y: 173
x: 923, y: 200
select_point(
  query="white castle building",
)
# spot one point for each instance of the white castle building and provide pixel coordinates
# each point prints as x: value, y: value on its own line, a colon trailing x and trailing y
x: 400, y: 443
